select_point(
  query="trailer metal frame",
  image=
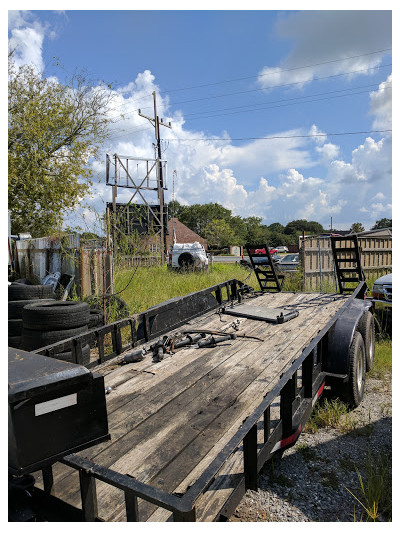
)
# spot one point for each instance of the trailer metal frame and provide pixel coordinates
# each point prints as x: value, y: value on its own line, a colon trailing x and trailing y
x: 296, y: 404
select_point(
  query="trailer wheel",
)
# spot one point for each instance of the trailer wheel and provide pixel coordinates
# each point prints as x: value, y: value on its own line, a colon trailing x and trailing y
x: 367, y: 329
x: 354, y: 392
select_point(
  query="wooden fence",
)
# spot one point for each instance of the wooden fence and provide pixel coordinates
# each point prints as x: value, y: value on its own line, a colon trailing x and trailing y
x: 318, y: 265
x: 130, y: 261
x: 92, y: 267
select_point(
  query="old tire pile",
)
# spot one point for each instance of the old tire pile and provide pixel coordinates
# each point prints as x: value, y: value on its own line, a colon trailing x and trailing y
x: 20, y: 294
x: 96, y: 318
x: 115, y: 307
x: 46, y: 323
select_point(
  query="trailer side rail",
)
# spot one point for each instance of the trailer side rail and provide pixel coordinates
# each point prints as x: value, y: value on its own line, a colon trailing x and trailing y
x: 150, y: 324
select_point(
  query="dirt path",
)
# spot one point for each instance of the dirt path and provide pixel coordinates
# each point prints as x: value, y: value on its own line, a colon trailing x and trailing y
x: 310, y: 482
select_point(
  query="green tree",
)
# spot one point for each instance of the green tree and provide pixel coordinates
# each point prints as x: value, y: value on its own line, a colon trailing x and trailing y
x: 257, y: 233
x: 198, y: 216
x: 276, y: 227
x: 54, y: 129
x: 356, y: 227
x: 296, y: 227
x: 175, y: 209
x: 219, y: 233
x: 382, y: 223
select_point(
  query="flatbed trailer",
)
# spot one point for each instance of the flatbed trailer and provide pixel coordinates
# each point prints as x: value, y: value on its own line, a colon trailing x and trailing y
x: 191, y: 432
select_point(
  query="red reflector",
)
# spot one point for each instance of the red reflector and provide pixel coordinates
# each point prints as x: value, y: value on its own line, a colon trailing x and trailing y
x: 291, y: 438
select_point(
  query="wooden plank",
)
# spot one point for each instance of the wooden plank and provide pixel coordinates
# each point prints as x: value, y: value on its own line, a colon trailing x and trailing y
x: 158, y: 393
x: 170, y: 428
x: 261, y: 384
x: 173, y: 472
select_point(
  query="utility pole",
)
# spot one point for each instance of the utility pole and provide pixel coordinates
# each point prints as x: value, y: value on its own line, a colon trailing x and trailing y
x: 156, y: 122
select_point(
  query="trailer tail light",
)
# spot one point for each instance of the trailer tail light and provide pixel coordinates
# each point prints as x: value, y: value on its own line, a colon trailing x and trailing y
x: 170, y: 259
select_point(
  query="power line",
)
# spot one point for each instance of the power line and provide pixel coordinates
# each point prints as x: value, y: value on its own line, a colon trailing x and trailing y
x: 282, y: 105
x: 277, y: 69
x: 256, y: 106
x: 273, y: 86
x: 290, y: 102
x: 280, y: 136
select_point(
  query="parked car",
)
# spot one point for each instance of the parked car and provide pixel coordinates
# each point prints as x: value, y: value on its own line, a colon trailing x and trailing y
x: 288, y: 263
x: 282, y: 249
x: 188, y: 256
x: 382, y: 288
x: 258, y: 261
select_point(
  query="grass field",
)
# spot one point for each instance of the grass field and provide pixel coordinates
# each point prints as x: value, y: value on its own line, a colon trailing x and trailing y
x: 152, y: 285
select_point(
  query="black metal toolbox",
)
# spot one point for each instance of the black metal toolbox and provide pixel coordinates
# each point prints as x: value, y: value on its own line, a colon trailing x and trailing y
x: 54, y: 408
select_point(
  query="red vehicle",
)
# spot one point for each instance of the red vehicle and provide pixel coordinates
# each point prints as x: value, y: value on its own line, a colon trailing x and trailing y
x: 272, y: 251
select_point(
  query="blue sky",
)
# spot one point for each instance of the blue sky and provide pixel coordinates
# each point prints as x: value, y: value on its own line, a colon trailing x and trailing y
x: 240, y: 76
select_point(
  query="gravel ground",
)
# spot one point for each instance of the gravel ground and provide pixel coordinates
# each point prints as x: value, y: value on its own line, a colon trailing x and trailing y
x: 308, y: 484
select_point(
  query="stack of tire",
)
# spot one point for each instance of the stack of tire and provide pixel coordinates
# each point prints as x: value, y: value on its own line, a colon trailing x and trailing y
x: 46, y: 323
x: 20, y: 294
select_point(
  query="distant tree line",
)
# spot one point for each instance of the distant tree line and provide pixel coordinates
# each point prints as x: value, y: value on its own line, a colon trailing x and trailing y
x: 216, y: 223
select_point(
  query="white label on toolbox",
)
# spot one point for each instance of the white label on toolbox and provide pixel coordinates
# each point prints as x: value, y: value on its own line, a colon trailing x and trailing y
x: 57, y: 403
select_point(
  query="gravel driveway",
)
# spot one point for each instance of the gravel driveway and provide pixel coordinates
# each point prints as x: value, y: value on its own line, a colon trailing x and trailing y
x: 308, y: 484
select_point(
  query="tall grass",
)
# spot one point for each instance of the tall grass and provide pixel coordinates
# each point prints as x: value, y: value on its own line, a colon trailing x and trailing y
x: 152, y: 285
x: 383, y: 359
x: 375, y: 492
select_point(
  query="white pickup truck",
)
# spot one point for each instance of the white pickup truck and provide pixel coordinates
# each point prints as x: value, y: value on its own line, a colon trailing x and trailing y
x: 188, y: 256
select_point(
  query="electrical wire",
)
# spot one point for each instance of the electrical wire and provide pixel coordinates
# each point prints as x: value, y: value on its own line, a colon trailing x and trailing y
x: 273, y: 86
x: 282, y: 105
x: 278, y: 70
x: 229, y: 139
x: 256, y: 106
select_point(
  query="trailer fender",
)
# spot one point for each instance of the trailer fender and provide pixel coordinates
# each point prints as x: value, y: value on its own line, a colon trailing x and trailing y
x: 341, y: 334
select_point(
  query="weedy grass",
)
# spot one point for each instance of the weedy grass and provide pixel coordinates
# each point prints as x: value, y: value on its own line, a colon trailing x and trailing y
x: 330, y: 414
x: 149, y: 286
x: 383, y: 360
x: 374, y: 494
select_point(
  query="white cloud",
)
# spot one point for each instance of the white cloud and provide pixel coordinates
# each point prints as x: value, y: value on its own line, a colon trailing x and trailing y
x: 26, y: 38
x: 328, y: 151
x: 381, y: 105
x: 263, y: 178
x: 321, y: 36
x: 320, y: 136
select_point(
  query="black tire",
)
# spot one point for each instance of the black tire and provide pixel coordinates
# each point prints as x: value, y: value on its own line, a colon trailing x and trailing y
x: 96, y: 318
x: 15, y: 308
x: 20, y: 291
x: 14, y: 342
x: 32, y: 339
x: 57, y: 315
x: 24, y: 281
x: 115, y: 306
x: 14, y: 327
x: 186, y: 260
x: 366, y: 327
x: 67, y: 356
x: 354, y: 391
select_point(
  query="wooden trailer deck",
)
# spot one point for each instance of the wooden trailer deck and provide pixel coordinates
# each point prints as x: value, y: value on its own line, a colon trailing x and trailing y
x: 169, y: 420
